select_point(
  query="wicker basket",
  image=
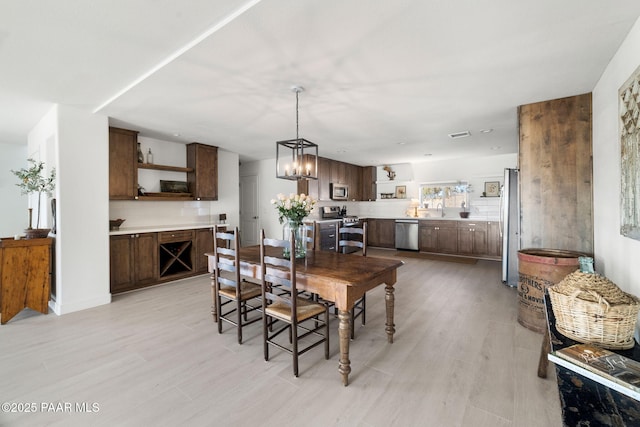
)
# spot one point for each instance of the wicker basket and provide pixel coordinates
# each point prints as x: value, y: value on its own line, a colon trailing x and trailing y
x: 591, y: 309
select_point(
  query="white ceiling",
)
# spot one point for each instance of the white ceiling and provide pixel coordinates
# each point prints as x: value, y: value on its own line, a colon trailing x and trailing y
x: 385, y: 81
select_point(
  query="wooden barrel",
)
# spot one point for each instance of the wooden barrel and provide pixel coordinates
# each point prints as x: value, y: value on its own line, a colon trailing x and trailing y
x: 537, y: 270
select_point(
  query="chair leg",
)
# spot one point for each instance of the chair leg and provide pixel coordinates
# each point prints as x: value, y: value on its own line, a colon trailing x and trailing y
x: 326, y: 334
x: 265, y: 336
x: 239, y: 319
x: 364, y: 308
x: 218, y: 313
x: 294, y: 333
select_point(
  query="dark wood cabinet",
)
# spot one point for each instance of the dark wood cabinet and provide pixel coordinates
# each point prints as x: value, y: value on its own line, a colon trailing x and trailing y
x: 438, y: 236
x: 494, y: 239
x: 381, y: 233
x: 326, y: 235
x: 203, y: 180
x: 368, y: 186
x: 133, y: 261
x: 472, y: 238
x: 204, y: 244
x: 123, y: 162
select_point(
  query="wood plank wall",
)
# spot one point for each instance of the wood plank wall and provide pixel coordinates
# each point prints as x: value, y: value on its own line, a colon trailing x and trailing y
x: 556, y: 198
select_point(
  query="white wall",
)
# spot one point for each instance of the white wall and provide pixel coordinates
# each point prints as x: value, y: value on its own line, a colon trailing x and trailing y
x: 616, y: 256
x: 75, y: 142
x: 14, y: 217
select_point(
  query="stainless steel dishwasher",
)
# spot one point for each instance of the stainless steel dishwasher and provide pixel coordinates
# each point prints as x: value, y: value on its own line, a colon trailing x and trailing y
x: 407, y: 234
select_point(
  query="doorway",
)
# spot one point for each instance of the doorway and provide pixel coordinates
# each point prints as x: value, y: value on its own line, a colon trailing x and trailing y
x: 249, y: 224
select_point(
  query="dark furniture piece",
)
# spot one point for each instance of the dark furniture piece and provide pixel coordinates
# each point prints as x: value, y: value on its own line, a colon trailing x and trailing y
x: 336, y: 277
x: 583, y: 401
x: 284, y: 311
x: 234, y: 298
x: 349, y: 238
x: 25, y: 276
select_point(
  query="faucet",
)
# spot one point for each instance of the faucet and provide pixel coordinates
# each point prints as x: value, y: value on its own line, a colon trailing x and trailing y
x: 440, y: 207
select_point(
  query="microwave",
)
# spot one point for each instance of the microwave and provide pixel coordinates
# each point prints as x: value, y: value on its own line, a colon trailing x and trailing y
x: 339, y: 191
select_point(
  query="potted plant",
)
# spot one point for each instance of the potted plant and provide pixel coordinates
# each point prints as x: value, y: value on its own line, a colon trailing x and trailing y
x: 32, y: 181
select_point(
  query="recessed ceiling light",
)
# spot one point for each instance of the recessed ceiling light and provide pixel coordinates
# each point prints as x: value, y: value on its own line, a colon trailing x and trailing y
x: 462, y: 134
x: 486, y: 130
x: 497, y: 147
x: 428, y: 154
x: 176, y: 134
x: 401, y: 143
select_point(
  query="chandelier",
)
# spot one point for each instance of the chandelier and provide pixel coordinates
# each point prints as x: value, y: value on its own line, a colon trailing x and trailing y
x: 296, y: 158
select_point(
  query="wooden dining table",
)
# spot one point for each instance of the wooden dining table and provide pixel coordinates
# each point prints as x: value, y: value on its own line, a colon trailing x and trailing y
x: 340, y: 278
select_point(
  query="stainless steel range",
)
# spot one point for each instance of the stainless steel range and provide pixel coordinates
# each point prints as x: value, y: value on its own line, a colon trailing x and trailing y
x: 335, y: 212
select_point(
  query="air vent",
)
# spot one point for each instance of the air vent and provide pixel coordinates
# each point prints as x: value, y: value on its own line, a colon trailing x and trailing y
x: 457, y: 135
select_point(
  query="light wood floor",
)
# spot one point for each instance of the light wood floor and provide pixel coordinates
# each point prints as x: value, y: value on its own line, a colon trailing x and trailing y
x: 154, y: 357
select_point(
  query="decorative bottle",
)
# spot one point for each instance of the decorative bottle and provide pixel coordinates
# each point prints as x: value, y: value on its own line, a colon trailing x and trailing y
x: 149, y: 156
x: 140, y: 155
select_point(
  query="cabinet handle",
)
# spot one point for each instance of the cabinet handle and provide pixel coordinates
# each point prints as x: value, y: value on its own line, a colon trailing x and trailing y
x: 135, y: 198
x: 133, y: 236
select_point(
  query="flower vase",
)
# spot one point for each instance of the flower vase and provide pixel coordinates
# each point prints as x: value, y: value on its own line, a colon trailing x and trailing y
x: 300, y: 243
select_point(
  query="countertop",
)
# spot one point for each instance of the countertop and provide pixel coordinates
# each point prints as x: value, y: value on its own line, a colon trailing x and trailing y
x: 160, y: 228
x: 432, y: 218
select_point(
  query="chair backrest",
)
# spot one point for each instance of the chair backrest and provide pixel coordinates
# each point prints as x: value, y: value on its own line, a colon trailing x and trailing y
x: 226, y: 248
x: 278, y: 271
x: 352, y: 237
x: 310, y: 235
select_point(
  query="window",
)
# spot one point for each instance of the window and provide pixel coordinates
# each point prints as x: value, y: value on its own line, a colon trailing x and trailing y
x: 447, y: 194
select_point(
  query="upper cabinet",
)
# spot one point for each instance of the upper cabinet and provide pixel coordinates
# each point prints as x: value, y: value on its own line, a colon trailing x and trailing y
x: 203, y: 180
x: 361, y: 180
x: 123, y: 172
x: 201, y: 172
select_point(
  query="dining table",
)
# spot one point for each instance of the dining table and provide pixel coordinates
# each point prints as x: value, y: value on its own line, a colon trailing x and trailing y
x: 339, y: 278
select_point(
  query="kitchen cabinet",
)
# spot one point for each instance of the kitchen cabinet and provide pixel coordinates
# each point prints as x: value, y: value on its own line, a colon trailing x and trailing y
x: 326, y: 235
x: 333, y: 171
x: 494, y: 239
x: 368, y: 186
x: 201, y: 171
x: 439, y: 236
x: 381, y: 232
x: 472, y: 238
x: 204, y: 244
x: 133, y: 261
x: 123, y: 161
x: 203, y: 179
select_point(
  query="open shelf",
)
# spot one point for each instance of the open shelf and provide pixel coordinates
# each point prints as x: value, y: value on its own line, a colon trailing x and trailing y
x: 163, y: 167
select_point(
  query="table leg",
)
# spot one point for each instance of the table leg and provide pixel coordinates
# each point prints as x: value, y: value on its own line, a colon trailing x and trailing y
x: 389, y: 299
x: 543, y: 362
x: 344, y: 332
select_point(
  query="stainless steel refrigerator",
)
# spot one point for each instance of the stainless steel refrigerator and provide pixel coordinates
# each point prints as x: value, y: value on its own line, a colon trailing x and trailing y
x: 510, y: 227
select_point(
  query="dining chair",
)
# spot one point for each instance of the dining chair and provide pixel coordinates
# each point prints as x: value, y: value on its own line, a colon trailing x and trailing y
x: 310, y: 235
x: 234, y: 298
x: 285, y: 311
x: 354, y: 237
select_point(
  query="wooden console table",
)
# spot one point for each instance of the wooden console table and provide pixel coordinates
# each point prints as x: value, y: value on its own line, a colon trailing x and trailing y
x: 25, y: 276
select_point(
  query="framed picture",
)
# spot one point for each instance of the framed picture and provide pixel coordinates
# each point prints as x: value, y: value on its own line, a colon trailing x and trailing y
x: 401, y: 191
x: 629, y: 128
x: 492, y: 188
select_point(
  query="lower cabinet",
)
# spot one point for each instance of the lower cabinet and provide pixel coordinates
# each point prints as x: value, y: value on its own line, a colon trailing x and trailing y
x: 479, y: 239
x: 204, y: 244
x: 438, y: 236
x: 381, y: 233
x: 138, y: 260
x: 326, y: 235
x: 472, y: 238
x: 133, y: 261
